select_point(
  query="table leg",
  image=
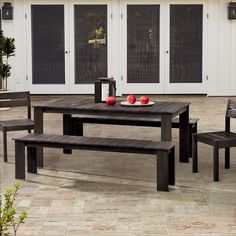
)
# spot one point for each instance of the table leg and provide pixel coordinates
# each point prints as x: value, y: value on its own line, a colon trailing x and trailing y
x: 38, y: 128
x: 162, y: 172
x: 67, y: 129
x: 166, y: 125
x: 166, y: 135
x: 184, y: 136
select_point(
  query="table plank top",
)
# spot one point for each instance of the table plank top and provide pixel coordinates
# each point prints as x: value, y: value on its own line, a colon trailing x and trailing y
x: 78, y: 104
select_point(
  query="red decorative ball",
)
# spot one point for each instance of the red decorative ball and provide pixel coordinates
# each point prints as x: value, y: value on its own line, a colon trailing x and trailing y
x: 144, y: 100
x: 131, y: 99
x: 111, y: 100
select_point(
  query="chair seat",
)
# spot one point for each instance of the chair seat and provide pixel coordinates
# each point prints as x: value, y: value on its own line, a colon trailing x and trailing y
x: 14, y: 125
x: 221, y: 138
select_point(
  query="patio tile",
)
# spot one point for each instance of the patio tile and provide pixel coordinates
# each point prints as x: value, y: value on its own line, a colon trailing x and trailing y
x: 94, y: 193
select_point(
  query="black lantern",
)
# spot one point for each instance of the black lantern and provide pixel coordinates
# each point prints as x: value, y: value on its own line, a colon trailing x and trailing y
x: 7, y: 11
x: 104, y: 88
x: 232, y: 11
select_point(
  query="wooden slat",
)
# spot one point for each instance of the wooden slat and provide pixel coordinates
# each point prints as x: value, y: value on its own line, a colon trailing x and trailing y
x: 14, y: 103
x: 104, y: 119
x: 231, y: 109
x: 96, y: 142
x: 10, y: 123
x: 232, y: 113
x: 76, y: 104
x: 14, y: 95
x: 15, y: 125
x: 217, y: 136
x: 223, y: 138
x: 232, y: 104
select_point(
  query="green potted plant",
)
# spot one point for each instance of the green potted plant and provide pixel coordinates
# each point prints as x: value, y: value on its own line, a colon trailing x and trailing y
x: 7, y: 50
x: 9, y: 218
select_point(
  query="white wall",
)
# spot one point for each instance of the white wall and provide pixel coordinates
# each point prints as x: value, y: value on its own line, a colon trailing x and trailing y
x: 221, y: 48
x: 16, y: 28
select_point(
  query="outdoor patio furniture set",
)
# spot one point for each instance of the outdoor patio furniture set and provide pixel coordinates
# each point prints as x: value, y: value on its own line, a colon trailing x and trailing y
x: 77, y: 111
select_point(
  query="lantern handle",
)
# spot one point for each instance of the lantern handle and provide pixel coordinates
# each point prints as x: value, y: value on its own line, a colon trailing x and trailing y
x: 114, y: 84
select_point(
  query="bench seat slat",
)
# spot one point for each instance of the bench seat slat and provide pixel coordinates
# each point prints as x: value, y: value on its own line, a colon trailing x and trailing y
x: 122, y: 119
x: 222, y: 138
x: 14, y: 125
x: 95, y: 142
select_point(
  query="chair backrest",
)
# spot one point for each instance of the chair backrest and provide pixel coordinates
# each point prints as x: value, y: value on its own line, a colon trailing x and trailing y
x: 16, y: 99
x: 230, y: 113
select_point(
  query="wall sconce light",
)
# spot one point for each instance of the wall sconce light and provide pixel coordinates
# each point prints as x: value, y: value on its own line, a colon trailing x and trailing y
x: 232, y: 11
x: 7, y: 11
x: 104, y: 88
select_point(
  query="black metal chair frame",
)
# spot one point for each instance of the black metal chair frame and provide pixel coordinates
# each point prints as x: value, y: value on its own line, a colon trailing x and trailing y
x: 221, y: 139
x: 15, y: 99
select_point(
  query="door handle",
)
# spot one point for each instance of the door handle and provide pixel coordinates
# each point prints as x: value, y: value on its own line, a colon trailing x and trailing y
x: 166, y: 52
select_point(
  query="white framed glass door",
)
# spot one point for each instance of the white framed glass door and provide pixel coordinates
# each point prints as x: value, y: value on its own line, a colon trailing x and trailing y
x: 47, y: 47
x: 185, y: 54
x: 149, y: 47
x: 142, y: 47
x: 90, y: 42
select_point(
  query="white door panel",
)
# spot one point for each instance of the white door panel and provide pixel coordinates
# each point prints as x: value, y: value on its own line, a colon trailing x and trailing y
x: 47, y: 43
x: 142, y: 47
x: 185, y: 57
x: 90, y: 44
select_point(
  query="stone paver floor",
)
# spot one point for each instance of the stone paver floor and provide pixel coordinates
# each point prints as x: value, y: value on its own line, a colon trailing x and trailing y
x: 101, y: 194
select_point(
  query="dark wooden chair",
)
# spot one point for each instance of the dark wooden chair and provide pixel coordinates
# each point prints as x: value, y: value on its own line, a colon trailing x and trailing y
x: 220, y: 139
x: 15, y: 99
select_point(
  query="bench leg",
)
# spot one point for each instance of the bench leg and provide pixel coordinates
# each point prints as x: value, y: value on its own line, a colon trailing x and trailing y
x: 195, y: 129
x: 5, y: 145
x: 162, y: 172
x: 227, y: 158
x: 67, y: 129
x: 32, y: 159
x: 195, y: 154
x: 38, y: 128
x: 78, y: 128
x: 171, y: 166
x: 190, y: 140
x: 215, y: 163
x: 20, y: 160
x: 192, y: 130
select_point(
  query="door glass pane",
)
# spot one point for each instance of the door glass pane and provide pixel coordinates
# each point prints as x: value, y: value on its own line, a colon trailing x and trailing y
x: 90, y: 43
x: 186, y: 43
x: 143, y: 43
x: 48, y: 50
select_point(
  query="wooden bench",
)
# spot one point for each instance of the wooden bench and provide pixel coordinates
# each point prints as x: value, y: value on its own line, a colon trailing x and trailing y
x: 164, y: 150
x: 79, y: 120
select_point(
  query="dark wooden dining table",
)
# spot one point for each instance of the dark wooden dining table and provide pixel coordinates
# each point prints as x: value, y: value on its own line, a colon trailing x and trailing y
x: 78, y: 105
